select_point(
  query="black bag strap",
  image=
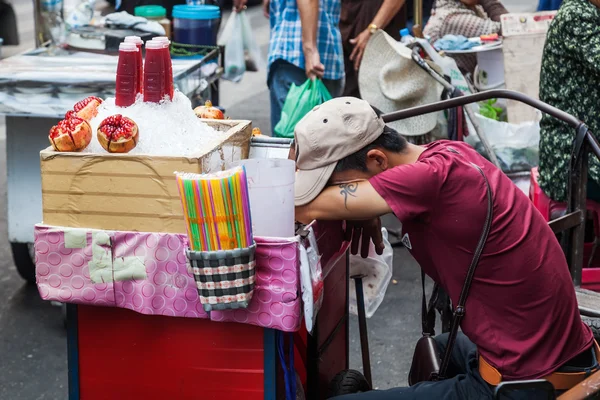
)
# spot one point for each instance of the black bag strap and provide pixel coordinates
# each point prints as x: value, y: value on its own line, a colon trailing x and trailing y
x: 428, y: 313
x: 459, y: 311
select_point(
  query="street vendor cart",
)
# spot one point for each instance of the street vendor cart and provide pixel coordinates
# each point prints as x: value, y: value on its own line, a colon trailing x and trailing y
x: 36, y: 89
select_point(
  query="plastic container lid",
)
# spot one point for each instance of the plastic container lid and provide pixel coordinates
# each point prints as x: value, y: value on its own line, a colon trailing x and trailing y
x: 133, y: 39
x: 127, y: 46
x: 404, y: 32
x: 153, y: 44
x: 150, y: 11
x: 196, y: 12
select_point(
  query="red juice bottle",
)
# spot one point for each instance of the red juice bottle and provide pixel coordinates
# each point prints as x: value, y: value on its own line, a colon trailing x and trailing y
x: 127, y: 79
x: 138, y: 42
x: 169, y: 65
x: 154, y: 72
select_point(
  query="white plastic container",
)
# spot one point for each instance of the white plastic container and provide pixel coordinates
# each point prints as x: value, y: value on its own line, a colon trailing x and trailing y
x: 271, y: 192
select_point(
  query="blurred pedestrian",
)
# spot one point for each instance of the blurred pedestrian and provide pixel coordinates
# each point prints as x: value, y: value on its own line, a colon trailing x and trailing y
x: 359, y: 20
x: 570, y: 80
x: 305, y: 43
x: 469, y: 18
x: 410, y: 12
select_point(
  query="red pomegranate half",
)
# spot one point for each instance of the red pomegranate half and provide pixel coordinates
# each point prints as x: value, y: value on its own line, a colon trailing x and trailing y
x: 118, y: 134
x: 208, y: 111
x: 71, y: 134
x: 88, y: 107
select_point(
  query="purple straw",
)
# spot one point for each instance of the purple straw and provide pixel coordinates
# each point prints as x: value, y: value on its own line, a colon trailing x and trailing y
x: 246, y: 203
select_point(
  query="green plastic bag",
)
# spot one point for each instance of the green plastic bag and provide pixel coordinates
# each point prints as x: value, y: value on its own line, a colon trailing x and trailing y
x: 299, y: 101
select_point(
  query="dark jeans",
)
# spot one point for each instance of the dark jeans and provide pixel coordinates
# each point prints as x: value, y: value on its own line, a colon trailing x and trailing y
x: 281, y: 76
x: 463, y: 383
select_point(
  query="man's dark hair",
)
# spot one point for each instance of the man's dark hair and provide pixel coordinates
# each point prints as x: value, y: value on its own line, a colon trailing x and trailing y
x: 389, y: 140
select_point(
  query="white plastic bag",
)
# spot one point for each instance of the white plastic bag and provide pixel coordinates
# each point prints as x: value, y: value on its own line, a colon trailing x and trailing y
x: 253, y: 58
x: 311, y: 278
x: 516, y: 145
x: 378, y: 273
x: 233, y: 40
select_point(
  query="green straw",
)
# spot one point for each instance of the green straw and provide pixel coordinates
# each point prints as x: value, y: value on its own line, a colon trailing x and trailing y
x: 192, y: 213
x: 228, y: 212
x: 235, y: 210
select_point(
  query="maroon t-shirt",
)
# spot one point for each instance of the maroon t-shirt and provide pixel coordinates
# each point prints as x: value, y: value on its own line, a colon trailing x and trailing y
x: 521, y: 311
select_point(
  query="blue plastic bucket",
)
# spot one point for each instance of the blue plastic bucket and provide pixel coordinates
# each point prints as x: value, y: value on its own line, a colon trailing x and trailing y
x: 196, y: 25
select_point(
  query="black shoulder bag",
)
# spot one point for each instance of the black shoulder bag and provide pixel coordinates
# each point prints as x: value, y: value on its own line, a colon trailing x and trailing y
x: 426, y: 364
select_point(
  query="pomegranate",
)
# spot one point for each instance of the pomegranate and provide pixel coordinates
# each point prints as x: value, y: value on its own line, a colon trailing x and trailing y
x: 256, y: 132
x: 71, y: 134
x: 88, y: 107
x: 118, y: 134
x: 208, y: 111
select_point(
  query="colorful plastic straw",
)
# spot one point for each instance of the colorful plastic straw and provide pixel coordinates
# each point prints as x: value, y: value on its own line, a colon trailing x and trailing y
x: 216, y: 209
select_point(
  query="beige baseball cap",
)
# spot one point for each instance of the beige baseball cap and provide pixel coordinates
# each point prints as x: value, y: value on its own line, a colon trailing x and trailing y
x: 327, y: 134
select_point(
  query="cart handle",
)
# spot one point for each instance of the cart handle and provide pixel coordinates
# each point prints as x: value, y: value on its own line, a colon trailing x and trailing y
x: 481, y: 96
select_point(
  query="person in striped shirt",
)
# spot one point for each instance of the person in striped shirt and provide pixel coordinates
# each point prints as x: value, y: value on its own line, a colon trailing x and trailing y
x: 305, y: 43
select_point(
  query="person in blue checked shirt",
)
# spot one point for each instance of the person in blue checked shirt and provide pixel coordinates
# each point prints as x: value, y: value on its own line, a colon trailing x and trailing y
x: 305, y: 43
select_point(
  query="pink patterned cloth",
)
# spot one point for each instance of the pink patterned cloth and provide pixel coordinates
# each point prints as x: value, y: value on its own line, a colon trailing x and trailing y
x: 63, y: 274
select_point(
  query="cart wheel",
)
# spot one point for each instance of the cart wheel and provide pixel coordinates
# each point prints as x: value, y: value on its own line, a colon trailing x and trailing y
x: 594, y: 324
x: 348, y: 382
x: 24, y: 256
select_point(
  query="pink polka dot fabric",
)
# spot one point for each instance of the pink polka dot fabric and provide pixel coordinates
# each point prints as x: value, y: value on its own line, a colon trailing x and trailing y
x: 169, y: 288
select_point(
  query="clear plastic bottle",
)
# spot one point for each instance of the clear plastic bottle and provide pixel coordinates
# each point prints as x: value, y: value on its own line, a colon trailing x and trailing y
x: 127, y: 79
x: 81, y: 15
x: 168, y: 79
x: 52, y: 21
x: 406, y: 37
x: 154, y: 72
x: 140, y: 61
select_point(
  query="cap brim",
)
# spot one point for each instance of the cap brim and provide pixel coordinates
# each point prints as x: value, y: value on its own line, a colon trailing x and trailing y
x: 310, y: 183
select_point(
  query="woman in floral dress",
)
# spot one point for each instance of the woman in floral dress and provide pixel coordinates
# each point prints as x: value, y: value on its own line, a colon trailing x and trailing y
x: 570, y: 81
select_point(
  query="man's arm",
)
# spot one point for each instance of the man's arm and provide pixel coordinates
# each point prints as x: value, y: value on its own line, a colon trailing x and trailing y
x: 349, y: 201
x: 309, y: 19
x: 387, y: 11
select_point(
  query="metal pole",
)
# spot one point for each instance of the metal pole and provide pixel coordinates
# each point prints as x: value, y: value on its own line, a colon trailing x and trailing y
x: 362, y: 328
x: 482, y: 96
x: 577, y: 201
x: 418, y: 12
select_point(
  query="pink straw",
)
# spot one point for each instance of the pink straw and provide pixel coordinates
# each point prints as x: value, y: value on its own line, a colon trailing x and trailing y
x: 246, y: 205
x: 212, y: 206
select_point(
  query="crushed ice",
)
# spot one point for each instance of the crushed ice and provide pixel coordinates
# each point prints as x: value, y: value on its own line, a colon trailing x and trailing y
x: 169, y: 128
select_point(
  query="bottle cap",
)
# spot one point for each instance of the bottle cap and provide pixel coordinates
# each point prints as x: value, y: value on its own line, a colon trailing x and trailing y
x: 153, y: 44
x: 133, y: 39
x: 124, y: 46
x: 404, y: 32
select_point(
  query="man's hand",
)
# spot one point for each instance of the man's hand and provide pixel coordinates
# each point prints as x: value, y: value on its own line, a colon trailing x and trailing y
x: 239, y: 5
x: 359, y: 42
x: 312, y: 63
x: 362, y: 233
x: 266, y: 4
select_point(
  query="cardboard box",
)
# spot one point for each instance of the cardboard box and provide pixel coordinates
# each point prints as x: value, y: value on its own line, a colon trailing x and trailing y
x: 129, y: 192
x: 523, y: 47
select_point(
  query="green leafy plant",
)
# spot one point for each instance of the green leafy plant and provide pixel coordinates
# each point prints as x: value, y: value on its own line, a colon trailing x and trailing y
x: 488, y: 110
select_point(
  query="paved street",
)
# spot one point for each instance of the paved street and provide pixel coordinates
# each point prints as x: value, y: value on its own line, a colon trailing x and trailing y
x: 32, y: 337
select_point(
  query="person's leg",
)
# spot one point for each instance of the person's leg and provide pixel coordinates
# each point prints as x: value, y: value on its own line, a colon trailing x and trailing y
x: 281, y: 76
x: 463, y: 380
x: 335, y: 88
